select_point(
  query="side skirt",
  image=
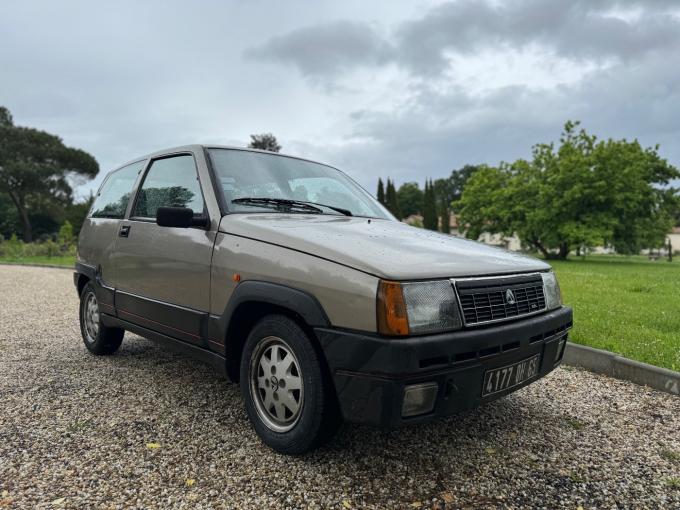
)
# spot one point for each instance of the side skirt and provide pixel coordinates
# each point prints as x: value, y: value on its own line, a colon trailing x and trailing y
x: 213, y: 359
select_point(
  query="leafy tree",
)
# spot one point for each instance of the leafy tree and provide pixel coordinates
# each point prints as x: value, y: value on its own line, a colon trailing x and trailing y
x: 381, y: 192
x: 582, y: 194
x: 410, y: 198
x: 457, y: 181
x: 35, y: 168
x: 449, y: 190
x: 9, y: 219
x: 430, y: 218
x: 264, y: 142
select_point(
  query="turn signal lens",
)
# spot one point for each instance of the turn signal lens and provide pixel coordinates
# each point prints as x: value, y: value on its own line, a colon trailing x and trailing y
x: 392, y: 317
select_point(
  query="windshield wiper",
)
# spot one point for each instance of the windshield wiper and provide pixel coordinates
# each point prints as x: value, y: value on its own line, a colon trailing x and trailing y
x: 285, y: 202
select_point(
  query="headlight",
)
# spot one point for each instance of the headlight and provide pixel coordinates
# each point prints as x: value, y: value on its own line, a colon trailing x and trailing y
x: 553, y: 295
x: 417, y: 307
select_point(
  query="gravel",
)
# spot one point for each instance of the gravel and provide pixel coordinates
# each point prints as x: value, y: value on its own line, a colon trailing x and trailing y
x: 150, y: 429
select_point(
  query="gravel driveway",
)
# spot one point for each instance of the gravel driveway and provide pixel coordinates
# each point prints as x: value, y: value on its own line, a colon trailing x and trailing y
x: 150, y: 429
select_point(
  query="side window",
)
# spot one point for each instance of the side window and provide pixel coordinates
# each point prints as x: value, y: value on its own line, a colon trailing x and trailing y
x: 114, y: 195
x: 170, y: 182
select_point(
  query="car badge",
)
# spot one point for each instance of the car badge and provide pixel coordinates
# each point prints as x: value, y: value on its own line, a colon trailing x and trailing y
x: 510, y: 297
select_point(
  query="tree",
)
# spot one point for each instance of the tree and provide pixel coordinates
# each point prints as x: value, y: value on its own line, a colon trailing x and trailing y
x: 584, y: 193
x: 75, y: 213
x: 410, y: 198
x: 381, y: 192
x: 445, y: 220
x: 457, y: 181
x: 264, y: 142
x: 430, y: 218
x: 391, y: 200
x: 35, y: 168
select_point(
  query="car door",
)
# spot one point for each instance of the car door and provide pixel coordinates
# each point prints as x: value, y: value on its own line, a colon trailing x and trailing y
x: 162, y: 274
x: 98, y: 234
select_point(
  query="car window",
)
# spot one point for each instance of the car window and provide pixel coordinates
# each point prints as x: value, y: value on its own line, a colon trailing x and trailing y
x: 170, y: 182
x: 245, y: 174
x: 327, y: 191
x: 114, y: 195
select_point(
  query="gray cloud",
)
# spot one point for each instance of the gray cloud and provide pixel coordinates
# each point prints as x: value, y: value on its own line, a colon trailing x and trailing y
x: 325, y: 50
x: 578, y: 30
x: 581, y: 30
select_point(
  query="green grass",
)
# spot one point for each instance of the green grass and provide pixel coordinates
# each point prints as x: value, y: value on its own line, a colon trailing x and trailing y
x: 63, y: 260
x: 627, y: 305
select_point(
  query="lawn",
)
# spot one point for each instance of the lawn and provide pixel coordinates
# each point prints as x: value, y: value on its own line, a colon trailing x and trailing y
x: 627, y: 305
x: 62, y: 260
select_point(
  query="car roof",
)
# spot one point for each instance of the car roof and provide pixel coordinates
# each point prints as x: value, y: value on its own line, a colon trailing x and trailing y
x: 196, y: 147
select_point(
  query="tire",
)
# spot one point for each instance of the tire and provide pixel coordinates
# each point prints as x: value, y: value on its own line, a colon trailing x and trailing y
x: 98, y: 338
x: 295, y: 411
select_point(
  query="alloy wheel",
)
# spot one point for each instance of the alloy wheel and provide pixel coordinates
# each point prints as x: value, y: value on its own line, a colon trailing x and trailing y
x: 276, y: 384
x: 91, y: 317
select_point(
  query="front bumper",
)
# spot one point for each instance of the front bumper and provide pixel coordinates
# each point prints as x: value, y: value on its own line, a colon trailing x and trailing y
x: 370, y: 372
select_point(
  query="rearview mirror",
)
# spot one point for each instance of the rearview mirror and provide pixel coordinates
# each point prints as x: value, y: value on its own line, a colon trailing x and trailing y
x: 181, y: 217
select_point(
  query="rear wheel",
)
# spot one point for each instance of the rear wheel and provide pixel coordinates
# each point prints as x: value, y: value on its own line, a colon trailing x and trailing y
x: 289, y: 400
x: 98, y: 338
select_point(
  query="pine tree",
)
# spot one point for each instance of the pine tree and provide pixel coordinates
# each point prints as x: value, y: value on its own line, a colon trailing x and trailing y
x: 381, y: 192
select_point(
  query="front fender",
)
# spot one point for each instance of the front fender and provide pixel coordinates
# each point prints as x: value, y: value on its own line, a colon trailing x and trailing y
x: 294, y: 300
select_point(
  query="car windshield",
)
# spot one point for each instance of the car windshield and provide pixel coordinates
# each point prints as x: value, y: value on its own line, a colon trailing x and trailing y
x: 259, y: 182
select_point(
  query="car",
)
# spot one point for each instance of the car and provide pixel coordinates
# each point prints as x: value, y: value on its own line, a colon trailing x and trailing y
x: 291, y: 280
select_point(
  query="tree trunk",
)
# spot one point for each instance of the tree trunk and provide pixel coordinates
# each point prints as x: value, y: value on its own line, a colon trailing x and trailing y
x: 564, y: 251
x: 23, y: 215
x: 539, y: 246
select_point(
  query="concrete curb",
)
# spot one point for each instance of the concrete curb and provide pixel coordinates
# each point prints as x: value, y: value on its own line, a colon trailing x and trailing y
x: 26, y: 264
x: 613, y: 365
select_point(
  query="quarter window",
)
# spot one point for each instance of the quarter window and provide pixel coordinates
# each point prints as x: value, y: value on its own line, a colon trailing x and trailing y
x: 170, y: 182
x: 114, y: 195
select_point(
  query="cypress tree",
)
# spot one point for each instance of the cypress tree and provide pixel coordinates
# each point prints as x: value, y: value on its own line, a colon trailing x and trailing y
x: 430, y: 220
x: 391, y: 199
x: 388, y: 194
x: 446, y: 218
x: 381, y: 192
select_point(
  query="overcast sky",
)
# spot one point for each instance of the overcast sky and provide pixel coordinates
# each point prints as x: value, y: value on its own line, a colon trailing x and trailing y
x: 408, y: 90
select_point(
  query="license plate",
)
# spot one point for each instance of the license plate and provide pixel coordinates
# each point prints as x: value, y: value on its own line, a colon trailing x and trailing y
x: 504, y: 378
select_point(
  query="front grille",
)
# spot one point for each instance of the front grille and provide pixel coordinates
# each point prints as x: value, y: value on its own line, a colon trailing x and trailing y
x: 488, y: 300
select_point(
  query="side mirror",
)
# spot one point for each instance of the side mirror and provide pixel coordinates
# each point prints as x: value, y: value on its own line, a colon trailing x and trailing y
x: 181, y: 217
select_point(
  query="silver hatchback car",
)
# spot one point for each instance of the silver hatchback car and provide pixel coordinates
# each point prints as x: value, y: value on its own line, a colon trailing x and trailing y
x: 292, y: 280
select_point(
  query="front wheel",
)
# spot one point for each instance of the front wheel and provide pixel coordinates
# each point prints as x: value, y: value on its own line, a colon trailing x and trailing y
x: 288, y: 397
x: 98, y: 338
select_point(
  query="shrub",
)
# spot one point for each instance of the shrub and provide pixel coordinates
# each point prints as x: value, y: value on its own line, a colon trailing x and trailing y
x: 65, y: 237
x: 14, y: 248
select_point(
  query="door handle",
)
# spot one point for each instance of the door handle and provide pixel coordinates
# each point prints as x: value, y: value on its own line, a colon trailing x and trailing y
x: 124, y: 231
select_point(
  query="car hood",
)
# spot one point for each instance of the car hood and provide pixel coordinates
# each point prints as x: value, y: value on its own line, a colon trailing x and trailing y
x: 384, y: 248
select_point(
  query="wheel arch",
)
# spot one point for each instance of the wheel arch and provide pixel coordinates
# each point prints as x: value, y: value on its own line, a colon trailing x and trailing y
x: 253, y: 300
x: 82, y: 275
